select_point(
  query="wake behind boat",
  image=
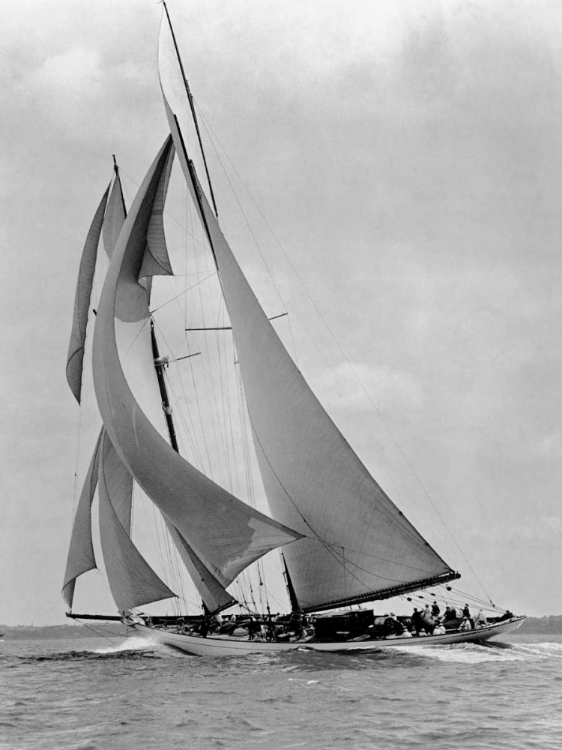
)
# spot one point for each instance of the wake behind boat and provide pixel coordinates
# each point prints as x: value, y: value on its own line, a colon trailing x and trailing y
x: 344, y: 541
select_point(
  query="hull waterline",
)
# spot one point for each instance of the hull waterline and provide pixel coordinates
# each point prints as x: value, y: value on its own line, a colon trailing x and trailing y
x: 227, y: 646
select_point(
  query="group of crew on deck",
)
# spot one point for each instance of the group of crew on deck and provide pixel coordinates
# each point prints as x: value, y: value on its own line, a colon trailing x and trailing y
x: 265, y: 628
x: 430, y: 621
x: 351, y: 625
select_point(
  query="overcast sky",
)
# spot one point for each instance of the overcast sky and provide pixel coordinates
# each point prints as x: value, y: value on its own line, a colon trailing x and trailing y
x: 408, y: 156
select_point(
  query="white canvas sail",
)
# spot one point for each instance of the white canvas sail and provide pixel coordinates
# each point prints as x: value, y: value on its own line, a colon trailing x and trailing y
x: 75, y: 357
x: 213, y: 593
x: 122, y: 559
x: 114, y: 216
x: 108, y: 220
x: 357, y: 545
x: 81, y: 557
x: 156, y: 261
x: 131, y: 580
x: 225, y: 534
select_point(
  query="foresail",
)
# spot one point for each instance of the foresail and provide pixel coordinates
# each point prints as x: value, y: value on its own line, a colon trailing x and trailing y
x: 156, y: 261
x: 357, y: 545
x: 131, y: 579
x: 81, y: 556
x: 75, y: 358
x: 225, y: 534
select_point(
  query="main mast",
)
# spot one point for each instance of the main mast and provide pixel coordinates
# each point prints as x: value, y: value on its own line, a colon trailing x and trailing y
x: 192, y: 107
x: 159, y: 362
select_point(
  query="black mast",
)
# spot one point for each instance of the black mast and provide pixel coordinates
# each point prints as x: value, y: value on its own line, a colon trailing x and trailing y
x: 295, y: 606
x: 118, y: 179
x: 192, y: 107
x: 160, y: 363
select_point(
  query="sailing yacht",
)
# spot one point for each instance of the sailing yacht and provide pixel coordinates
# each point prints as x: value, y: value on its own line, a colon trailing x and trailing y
x: 344, y: 542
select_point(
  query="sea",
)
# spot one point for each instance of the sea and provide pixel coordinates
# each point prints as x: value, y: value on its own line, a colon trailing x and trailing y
x: 124, y: 694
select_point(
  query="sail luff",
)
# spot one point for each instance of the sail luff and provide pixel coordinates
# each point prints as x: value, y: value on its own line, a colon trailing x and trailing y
x: 75, y: 357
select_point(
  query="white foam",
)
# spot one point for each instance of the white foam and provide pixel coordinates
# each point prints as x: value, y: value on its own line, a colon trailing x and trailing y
x: 544, y: 649
x: 134, y: 643
x: 473, y: 653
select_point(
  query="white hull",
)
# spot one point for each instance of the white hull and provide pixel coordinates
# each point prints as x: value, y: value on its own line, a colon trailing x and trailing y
x: 227, y: 646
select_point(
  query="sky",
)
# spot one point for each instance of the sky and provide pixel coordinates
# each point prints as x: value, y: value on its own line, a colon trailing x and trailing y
x: 408, y: 158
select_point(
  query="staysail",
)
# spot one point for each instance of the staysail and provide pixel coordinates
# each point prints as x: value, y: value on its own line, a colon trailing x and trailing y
x: 357, y: 545
x: 81, y: 556
x: 224, y: 533
x: 131, y: 580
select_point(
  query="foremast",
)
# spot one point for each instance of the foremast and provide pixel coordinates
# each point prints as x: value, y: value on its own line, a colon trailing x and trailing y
x: 187, y: 555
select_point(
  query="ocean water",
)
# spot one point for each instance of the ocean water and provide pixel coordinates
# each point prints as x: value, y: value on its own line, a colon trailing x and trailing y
x: 120, y: 695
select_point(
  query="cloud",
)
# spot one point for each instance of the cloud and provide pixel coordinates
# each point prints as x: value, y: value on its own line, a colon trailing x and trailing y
x: 76, y: 74
x: 541, y: 529
x: 548, y: 446
x: 405, y: 154
x: 359, y: 387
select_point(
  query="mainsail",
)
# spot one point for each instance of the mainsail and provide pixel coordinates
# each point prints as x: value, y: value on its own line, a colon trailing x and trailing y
x: 357, y: 545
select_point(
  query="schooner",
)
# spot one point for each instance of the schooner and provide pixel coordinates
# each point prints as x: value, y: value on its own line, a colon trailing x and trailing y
x: 344, y: 542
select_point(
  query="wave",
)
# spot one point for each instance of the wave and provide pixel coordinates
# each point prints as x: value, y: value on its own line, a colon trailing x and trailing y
x: 129, y: 649
x: 88, y: 655
x: 134, y: 643
x: 477, y: 653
